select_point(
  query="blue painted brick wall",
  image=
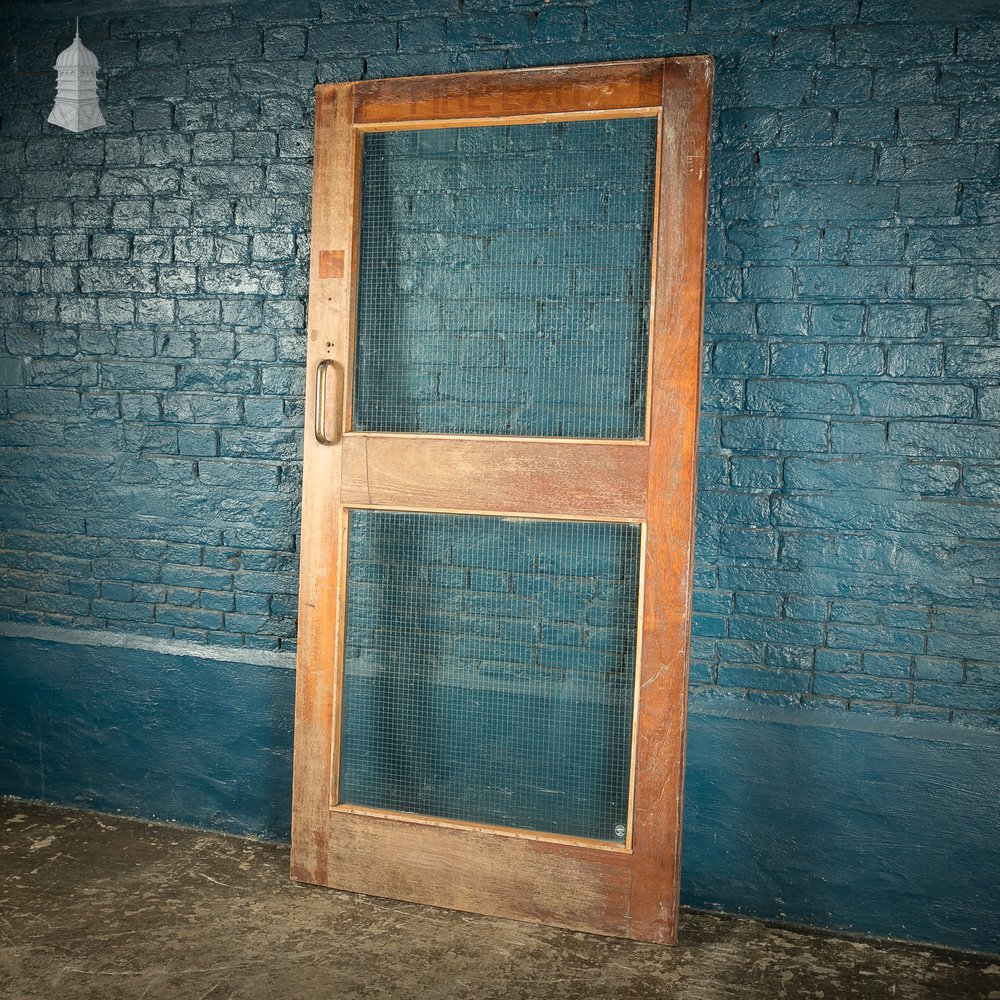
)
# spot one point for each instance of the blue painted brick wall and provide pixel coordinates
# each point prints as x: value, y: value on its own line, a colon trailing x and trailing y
x: 152, y: 285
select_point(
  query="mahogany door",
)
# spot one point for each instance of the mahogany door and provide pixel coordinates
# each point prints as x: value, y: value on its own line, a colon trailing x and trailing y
x: 506, y: 296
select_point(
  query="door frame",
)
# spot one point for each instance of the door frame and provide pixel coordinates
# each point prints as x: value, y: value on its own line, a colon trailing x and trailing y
x: 631, y: 890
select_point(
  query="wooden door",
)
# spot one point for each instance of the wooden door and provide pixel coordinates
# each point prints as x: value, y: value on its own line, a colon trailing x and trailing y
x: 388, y: 462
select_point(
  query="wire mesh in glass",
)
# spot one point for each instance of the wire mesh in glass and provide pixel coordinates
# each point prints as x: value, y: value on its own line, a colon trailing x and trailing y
x: 504, y: 279
x: 489, y: 670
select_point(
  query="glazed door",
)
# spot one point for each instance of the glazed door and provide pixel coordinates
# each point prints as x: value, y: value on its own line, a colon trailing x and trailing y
x: 506, y: 296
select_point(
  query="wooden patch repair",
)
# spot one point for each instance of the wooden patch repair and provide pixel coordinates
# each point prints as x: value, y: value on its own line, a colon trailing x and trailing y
x: 331, y: 263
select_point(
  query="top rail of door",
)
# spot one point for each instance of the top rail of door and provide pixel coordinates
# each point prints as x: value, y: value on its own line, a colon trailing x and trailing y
x: 600, y: 90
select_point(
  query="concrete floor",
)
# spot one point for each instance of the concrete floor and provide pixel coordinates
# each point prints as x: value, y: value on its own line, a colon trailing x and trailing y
x: 99, y: 906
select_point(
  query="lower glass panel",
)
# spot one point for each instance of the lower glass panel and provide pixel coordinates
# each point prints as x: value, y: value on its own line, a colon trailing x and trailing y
x: 489, y: 670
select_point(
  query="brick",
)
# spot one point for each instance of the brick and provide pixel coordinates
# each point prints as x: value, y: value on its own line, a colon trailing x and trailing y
x: 930, y: 479
x: 982, y: 482
x: 774, y: 243
x: 202, y: 408
x: 61, y: 183
x: 924, y: 122
x: 288, y: 178
x: 813, y: 126
x: 284, y: 312
x: 422, y: 34
x: 888, y: 665
x: 989, y: 402
x: 916, y: 360
x: 351, y: 38
x: 856, y: 359
x: 818, y: 203
x: 217, y: 377
x: 284, y: 42
x: 874, y: 638
x: 137, y: 181
x: 782, y: 631
x: 272, y: 246
x: 198, y: 442
x: 972, y: 361
x: 796, y: 397
x: 875, y: 44
x: 244, y: 476
x: 284, y: 380
x: 188, y: 617
x: 964, y: 243
x: 837, y: 661
x: 231, y: 249
x: 971, y: 320
x: 956, y: 696
x: 867, y: 688
x: 254, y: 347
x: 121, y: 278
x: 937, y: 162
x: 43, y: 401
x: 154, y: 310
x: 866, y: 123
x: 944, y: 281
x: 196, y: 577
x: 928, y: 200
x: 806, y: 48
x: 812, y: 164
x: 128, y: 375
x: 929, y: 668
x: 224, y: 45
x: 260, y: 443
x: 798, y: 359
x: 237, y: 280
x: 983, y: 675
x: 755, y: 127
x: 199, y: 311
x: 260, y: 146
x: 854, y: 282
x: 164, y: 149
x: 768, y: 680
x: 975, y: 81
x: 483, y: 31
x: 212, y: 147
x: 915, y: 399
x: 733, y: 358
x: 747, y: 543
x: 756, y: 473
x: 761, y: 282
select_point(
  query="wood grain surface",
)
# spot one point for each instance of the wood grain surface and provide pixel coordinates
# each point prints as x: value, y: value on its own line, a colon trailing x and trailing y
x: 675, y: 364
x: 471, y: 98
x: 482, y: 872
x: 321, y: 576
x: 545, y: 477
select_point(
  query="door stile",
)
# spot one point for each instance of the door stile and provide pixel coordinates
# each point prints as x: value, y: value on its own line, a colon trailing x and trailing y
x: 675, y: 361
x: 321, y: 553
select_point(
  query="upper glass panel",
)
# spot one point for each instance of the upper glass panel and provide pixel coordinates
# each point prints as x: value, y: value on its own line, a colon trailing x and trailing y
x: 504, y: 279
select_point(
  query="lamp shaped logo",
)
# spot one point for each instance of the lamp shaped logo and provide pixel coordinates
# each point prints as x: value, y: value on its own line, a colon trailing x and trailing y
x: 76, y: 106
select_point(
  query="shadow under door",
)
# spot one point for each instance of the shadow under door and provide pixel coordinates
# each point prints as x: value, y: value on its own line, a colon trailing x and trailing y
x: 505, y: 308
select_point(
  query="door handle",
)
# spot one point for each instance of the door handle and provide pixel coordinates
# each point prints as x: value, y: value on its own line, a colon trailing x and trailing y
x: 322, y: 379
